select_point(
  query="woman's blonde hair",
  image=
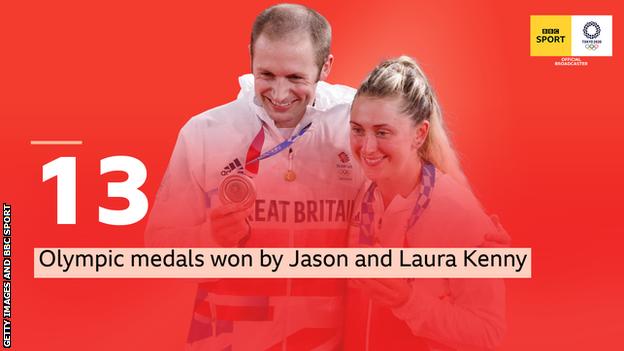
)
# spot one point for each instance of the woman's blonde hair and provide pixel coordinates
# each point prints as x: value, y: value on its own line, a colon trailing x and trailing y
x: 402, y: 77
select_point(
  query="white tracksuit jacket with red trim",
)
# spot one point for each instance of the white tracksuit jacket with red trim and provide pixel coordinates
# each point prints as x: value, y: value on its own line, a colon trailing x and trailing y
x: 312, y: 211
x: 440, y: 314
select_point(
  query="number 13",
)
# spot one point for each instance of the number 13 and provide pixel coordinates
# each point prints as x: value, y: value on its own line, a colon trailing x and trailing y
x: 64, y: 168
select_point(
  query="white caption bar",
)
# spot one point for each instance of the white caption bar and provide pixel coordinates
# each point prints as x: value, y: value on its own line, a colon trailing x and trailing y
x: 282, y: 263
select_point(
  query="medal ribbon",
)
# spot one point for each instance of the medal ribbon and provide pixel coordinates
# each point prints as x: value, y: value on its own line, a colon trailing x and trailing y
x: 256, y: 146
x: 254, y: 156
x: 254, y: 152
x: 367, y: 229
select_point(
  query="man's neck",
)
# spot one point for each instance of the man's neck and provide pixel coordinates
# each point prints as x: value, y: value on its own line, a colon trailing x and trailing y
x: 289, y: 124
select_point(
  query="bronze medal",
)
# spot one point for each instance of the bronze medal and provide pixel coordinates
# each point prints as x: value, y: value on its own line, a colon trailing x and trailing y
x: 239, y: 189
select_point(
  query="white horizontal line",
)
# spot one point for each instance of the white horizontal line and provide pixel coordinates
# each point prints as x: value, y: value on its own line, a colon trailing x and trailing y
x: 56, y: 142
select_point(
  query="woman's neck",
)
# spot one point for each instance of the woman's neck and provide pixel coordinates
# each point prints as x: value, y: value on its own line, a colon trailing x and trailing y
x: 400, y: 184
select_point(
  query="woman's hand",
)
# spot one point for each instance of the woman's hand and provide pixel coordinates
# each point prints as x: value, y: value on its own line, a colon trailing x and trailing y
x: 392, y: 292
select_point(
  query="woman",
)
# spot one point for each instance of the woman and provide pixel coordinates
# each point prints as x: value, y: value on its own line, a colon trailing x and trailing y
x: 416, y: 196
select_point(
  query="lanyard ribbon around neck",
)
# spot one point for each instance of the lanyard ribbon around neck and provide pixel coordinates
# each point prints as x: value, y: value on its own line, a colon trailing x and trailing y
x: 367, y: 212
x: 254, y: 155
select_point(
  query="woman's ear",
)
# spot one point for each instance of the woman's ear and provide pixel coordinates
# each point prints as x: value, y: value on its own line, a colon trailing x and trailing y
x: 422, y: 131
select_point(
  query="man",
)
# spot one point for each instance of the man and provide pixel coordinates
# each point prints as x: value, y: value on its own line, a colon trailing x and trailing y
x: 305, y: 191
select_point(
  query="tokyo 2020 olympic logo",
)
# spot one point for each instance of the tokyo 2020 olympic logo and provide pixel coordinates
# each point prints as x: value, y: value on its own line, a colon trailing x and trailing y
x: 596, y: 31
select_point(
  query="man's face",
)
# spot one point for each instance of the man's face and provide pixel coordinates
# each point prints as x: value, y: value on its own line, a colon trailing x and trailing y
x: 285, y: 75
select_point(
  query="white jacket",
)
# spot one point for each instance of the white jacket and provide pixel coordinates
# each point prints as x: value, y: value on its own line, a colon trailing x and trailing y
x: 312, y: 211
x: 440, y: 314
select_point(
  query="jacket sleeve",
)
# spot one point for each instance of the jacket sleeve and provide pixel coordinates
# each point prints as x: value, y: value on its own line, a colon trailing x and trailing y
x: 466, y: 314
x: 470, y: 313
x: 472, y: 317
x: 179, y: 216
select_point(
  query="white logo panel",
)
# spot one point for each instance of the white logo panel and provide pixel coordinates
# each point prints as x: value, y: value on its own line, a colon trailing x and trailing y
x: 592, y: 36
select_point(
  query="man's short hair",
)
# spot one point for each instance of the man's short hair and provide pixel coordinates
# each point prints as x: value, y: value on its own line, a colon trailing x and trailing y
x: 284, y: 19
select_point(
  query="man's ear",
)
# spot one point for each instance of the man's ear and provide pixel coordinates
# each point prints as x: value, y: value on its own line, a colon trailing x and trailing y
x: 422, y: 131
x: 326, y: 67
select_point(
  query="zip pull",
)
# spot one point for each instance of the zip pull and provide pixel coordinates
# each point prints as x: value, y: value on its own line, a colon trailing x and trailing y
x: 290, y: 175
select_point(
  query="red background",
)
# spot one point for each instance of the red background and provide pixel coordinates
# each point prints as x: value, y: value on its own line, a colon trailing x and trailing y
x: 541, y: 145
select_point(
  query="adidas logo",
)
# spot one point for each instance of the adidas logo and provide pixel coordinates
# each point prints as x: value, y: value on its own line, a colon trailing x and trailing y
x: 231, y: 167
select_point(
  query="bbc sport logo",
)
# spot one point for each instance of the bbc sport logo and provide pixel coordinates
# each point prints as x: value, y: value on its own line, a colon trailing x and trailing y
x: 571, y: 36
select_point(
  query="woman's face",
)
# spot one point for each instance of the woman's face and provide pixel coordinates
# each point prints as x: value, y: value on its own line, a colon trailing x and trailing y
x: 384, y: 140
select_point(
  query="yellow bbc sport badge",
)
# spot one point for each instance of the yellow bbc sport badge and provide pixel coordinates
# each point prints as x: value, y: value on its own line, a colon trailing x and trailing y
x: 551, y: 35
